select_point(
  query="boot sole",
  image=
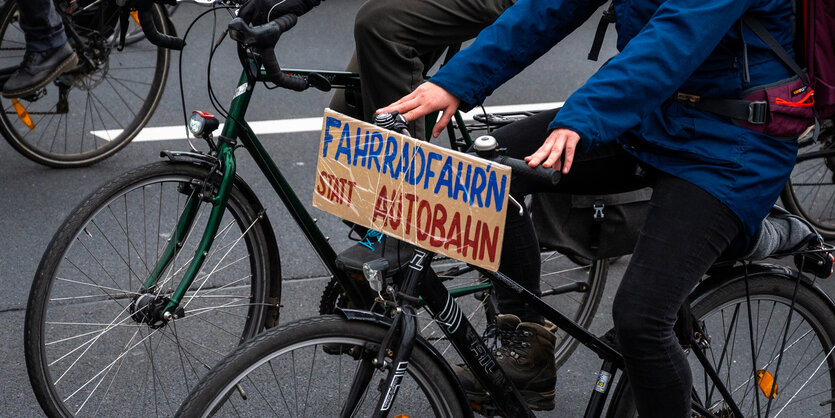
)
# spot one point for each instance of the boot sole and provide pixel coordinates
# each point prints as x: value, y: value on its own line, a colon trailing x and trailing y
x: 66, y: 65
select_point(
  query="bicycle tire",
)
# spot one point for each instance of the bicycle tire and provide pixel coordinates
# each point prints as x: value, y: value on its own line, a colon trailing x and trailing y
x: 808, y: 192
x: 218, y: 389
x: 115, y: 92
x: 86, y: 354
x: 769, y: 290
x: 581, y: 309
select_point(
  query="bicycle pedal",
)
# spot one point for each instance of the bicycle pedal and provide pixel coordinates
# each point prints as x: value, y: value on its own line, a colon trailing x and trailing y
x: 37, y: 95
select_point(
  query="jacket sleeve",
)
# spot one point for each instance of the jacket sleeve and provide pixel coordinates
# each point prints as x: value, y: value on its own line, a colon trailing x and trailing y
x: 523, y: 33
x: 652, y: 66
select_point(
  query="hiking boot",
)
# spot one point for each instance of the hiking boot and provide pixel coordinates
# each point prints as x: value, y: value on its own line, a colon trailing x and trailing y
x: 39, y: 69
x: 527, y: 357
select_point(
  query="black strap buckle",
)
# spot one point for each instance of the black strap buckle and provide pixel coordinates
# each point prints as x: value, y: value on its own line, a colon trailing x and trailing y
x: 757, y: 113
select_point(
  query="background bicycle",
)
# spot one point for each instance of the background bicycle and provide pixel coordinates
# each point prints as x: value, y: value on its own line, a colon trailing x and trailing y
x: 92, y: 111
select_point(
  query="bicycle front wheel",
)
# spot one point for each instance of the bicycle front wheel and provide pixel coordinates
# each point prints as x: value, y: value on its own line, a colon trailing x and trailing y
x: 87, y: 352
x: 94, y: 110
x: 745, y: 339
x: 307, y: 368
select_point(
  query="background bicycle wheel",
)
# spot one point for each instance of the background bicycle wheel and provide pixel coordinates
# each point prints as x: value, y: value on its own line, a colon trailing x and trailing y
x: 36, y: 199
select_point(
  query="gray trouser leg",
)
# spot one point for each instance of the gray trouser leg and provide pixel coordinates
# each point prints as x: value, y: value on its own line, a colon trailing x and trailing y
x: 42, y: 25
x: 397, y: 42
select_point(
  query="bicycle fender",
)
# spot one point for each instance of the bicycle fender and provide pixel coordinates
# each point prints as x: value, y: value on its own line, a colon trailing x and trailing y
x: 274, y: 297
x: 385, y: 322
x: 754, y: 271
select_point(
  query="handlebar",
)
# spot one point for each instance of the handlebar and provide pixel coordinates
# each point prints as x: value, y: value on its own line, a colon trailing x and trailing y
x: 149, y: 28
x: 487, y: 147
x: 263, y: 39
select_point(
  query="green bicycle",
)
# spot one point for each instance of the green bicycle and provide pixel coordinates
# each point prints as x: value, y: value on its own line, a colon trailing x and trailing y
x: 165, y: 269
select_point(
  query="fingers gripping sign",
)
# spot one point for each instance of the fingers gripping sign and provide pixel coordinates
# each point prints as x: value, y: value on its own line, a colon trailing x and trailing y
x: 559, y: 141
x: 426, y: 99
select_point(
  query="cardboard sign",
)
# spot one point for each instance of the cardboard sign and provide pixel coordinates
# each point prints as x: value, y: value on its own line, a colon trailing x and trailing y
x: 442, y: 200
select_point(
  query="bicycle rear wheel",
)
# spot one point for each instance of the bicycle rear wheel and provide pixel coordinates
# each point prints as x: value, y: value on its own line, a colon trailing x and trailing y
x: 810, y: 192
x: 575, y: 290
x: 805, y: 379
x: 289, y: 372
x: 87, y: 353
x: 94, y: 110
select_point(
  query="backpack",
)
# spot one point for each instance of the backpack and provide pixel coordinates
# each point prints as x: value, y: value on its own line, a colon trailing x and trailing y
x: 788, y: 107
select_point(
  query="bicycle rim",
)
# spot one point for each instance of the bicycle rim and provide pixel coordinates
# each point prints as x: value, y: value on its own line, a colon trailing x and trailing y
x: 307, y: 368
x: 92, y: 111
x: 86, y: 353
x: 804, y: 372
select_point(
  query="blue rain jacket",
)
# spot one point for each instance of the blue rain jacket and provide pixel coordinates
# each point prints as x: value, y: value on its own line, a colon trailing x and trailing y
x: 692, y: 46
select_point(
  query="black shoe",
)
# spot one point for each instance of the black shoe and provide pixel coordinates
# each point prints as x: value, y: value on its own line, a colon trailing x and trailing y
x: 527, y: 358
x: 39, y: 69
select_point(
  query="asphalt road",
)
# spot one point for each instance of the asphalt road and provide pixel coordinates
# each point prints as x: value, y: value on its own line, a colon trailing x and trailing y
x: 36, y: 199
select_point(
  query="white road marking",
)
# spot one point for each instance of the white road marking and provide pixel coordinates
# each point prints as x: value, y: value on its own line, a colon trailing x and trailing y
x: 284, y: 126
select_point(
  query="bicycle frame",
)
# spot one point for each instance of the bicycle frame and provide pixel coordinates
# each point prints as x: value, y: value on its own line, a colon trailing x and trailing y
x: 236, y: 129
x: 422, y: 285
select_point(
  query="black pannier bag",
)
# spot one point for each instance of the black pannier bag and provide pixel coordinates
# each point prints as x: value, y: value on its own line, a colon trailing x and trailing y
x: 590, y: 226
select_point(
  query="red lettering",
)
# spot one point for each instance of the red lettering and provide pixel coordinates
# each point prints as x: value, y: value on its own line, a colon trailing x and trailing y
x: 351, y: 185
x: 438, y: 220
x: 341, y: 193
x: 487, y: 242
x: 471, y: 243
x: 320, y: 184
x: 423, y: 207
x: 411, y: 198
x: 393, y: 219
x: 453, y: 237
x: 381, y: 206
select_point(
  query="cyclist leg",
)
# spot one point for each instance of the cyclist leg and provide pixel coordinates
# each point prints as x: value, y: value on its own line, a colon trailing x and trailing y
x: 686, y: 230
x: 528, y: 343
x: 398, y: 41
x: 48, y: 54
x: 603, y: 170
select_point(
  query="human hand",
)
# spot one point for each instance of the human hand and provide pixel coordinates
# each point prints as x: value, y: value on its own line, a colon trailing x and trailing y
x: 549, y: 153
x: 427, y: 98
x: 259, y: 12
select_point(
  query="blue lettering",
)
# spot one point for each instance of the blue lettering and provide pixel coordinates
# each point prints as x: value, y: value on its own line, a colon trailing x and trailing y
x: 391, y: 154
x: 465, y: 186
x: 331, y: 122
x: 477, y: 186
x: 445, y: 178
x: 360, y: 150
x: 375, y: 149
x: 344, y: 145
x: 412, y: 178
x: 429, y: 173
x: 493, y: 190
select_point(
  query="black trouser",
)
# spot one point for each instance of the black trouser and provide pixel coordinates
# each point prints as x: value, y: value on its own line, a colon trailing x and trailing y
x: 398, y: 41
x: 41, y: 24
x: 686, y: 231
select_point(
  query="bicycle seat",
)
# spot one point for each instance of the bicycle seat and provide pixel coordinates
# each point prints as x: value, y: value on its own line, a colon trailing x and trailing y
x: 396, y: 252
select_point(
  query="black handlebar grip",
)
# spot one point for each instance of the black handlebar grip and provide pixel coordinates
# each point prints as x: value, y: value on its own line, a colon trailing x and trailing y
x: 286, y: 22
x: 149, y: 28
x: 543, y: 175
x: 275, y: 75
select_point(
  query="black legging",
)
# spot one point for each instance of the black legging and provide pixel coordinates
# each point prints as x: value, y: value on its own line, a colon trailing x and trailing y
x: 686, y: 230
